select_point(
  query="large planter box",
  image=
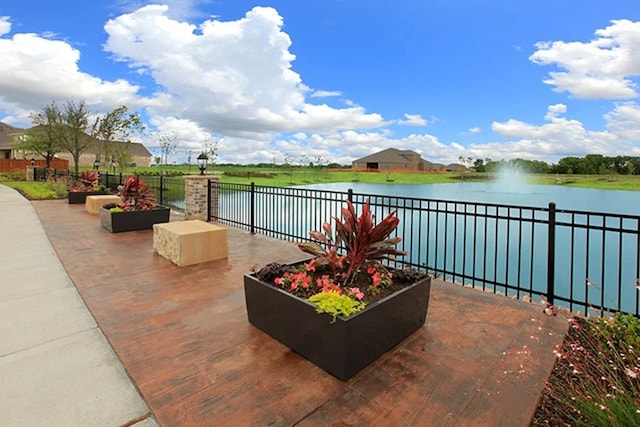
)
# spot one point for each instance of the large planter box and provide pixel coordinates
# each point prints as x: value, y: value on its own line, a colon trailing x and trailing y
x: 349, y: 344
x: 77, y: 197
x: 117, y: 222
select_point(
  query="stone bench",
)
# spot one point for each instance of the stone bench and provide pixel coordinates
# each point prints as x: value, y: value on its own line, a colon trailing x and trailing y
x: 93, y: 203
x: 190, y: 242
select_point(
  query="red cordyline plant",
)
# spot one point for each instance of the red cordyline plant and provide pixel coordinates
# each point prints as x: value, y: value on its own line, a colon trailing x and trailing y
x: 87, y: 182
x: 136, y: 195
x: 365, y: 244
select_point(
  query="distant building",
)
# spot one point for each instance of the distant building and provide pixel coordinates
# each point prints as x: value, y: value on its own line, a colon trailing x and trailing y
x: 393, y: 159
x: 10, y: 136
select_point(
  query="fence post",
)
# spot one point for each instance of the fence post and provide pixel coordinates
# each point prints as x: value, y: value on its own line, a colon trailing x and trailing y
x: 209, y: 201
x: 162, y: 189
x: 252, y: 208
x: 350, y: 195
x: 551, y: 254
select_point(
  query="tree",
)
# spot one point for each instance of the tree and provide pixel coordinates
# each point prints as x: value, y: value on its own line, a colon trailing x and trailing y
x: 167, y: 144
x: 211, y: 150
x: 73, y: 129
x: 41, y: 138
x: 114, y: 128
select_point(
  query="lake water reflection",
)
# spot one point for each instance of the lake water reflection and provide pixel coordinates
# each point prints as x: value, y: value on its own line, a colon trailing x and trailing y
x: 468, y: 242
x: 506, y: 193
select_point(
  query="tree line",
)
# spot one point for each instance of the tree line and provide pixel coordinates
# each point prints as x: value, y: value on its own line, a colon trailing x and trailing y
x: 591, y: 164
x: 72, y: 127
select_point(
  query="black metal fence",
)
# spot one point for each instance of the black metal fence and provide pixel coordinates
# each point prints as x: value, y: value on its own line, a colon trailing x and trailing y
x: 169, y: 190
x: 585, y: 261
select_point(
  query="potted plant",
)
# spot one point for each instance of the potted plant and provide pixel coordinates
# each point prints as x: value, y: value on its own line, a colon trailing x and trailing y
x: 86, y: 185
x: 138, y: 210
x: 344, y: 307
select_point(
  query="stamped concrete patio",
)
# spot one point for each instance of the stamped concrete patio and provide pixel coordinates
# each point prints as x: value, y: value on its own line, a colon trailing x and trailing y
x: 184, y: 339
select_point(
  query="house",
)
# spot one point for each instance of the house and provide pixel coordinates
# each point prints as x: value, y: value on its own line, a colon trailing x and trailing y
x: 393, y: 159
x: 9, y: 135
x: 140, y: 153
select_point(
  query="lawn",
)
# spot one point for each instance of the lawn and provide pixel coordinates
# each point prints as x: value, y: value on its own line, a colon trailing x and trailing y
x: 281, y: 177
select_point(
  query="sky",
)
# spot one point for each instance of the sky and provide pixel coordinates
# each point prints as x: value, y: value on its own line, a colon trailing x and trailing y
x: 330, y: 81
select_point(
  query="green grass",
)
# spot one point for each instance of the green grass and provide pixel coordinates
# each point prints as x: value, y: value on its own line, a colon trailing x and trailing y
x: 280, y: 177
x: 37, y: 190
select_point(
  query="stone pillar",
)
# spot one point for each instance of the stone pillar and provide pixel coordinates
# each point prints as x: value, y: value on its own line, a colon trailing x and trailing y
x: 30, y: 174
x: 195, y: 196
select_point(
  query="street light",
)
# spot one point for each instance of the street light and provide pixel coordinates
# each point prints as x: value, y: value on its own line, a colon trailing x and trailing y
x: 33, y: 161
x: 96, y: 164
x: 202, y: 162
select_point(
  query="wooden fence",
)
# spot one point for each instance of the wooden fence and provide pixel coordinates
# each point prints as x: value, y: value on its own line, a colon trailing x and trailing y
x: 11, y: 165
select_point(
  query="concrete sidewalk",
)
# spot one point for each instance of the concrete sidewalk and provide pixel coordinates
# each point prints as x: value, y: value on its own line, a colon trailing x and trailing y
x: 56, y: 367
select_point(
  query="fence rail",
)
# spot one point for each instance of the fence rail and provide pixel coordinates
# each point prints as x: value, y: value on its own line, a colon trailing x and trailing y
x: 169, y: 190
x: 585, y: 261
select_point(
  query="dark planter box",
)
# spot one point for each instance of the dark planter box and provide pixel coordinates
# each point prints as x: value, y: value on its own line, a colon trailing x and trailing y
x: 76, y: 197
x: 117, y: 222
x: 345, y: 347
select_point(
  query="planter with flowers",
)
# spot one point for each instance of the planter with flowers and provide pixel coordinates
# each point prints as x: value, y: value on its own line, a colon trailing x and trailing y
x: 86, y: 185
x: 138, y: 210
x: 343, y: 308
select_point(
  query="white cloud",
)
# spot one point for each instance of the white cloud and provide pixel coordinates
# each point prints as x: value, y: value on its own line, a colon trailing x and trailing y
x: 240, y: 80
x: 561, y: 137
x: 601, y: 68
x: 325, y: 93
x: 35, y: 70
x: 5, y: 25
x: 413, y: 120
x: 474, y: 131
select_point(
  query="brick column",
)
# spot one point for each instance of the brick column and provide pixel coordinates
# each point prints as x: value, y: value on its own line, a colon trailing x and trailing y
x: 30, y: 174
x: 195, y: 196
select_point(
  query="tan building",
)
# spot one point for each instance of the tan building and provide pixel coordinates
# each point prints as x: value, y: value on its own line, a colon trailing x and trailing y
x: 393, y: 159
x: 10, y: 135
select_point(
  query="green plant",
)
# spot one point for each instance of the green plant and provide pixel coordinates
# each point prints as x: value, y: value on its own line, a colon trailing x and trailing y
x: 598, y: 373
x: 347, y: 272
x: 58, y: 186
x: 136, y: 195
x: 335, y: 304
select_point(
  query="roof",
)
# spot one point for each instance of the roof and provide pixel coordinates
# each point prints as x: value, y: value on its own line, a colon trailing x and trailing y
x: 391, y: 155
x: 6, y: 133
x: 7, y: 142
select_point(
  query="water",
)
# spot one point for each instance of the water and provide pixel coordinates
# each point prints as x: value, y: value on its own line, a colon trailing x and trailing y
x: 515, y: 252
x: 513, y: 192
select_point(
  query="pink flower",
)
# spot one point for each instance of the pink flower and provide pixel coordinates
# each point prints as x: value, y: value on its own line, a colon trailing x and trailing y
x: 279, y: 281
x: 356, y: 292
x: 376, y: 279
x: 311, y: 265
x: 371, y: 270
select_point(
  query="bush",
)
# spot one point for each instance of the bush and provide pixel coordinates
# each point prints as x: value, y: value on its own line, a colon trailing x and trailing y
x: 13, y: 176
x: 596, y: 380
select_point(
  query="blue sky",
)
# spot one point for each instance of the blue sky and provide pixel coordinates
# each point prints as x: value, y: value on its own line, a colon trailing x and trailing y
x: 334, y: 80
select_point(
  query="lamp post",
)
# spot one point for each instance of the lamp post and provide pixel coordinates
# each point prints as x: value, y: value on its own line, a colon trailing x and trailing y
x: 33, y: 162
x: 96, y: 162
x: 202, y: 162
x: 113, y: 163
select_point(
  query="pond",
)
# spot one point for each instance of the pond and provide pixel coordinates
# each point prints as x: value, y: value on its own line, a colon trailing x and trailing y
x: 506, y: 193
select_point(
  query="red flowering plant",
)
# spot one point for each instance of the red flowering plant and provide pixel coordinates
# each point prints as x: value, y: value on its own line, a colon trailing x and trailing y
x: 346, y: 272
x: 135, y: 196
x: 88, y: 181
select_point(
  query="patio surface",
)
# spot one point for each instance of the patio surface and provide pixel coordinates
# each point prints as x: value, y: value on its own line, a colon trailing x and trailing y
x: 183, y: 337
